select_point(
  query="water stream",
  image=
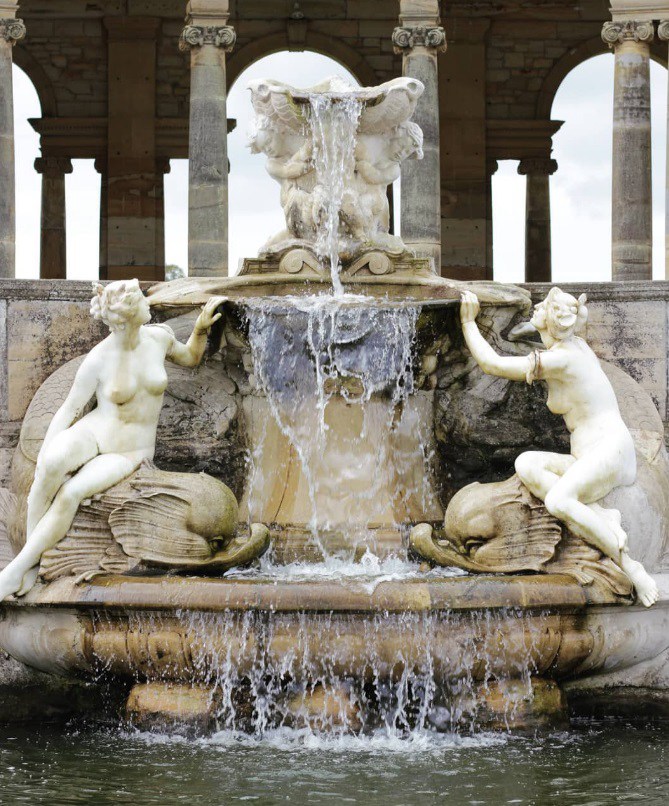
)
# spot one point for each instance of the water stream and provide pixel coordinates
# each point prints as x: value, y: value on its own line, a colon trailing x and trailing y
x: 334, y: 124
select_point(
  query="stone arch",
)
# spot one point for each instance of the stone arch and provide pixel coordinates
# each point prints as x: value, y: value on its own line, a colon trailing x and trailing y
x: 571, y: 59
x: 325, y: 45
x: 41, y: 81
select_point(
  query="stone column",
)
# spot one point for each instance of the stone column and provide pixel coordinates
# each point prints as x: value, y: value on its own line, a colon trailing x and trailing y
x: 537, y: 218
x: 209, y: 38
x: 101, y: 168
x: 11, y: 31
x: 419, y: 39
x: 632, y: 249
x: 492, y: 167
x: 133, y: 211
x: 53, y: 245
x: 162, y: 167
x: 663, y: 34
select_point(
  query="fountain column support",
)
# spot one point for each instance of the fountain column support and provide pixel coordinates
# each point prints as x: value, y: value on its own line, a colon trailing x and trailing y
x: 12, y: 30
x: 208, y: 37
x: 420, y: 39
x: 632, y: 204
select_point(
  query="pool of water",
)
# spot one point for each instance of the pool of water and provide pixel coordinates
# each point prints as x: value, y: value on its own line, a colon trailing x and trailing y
x: 593, y: 764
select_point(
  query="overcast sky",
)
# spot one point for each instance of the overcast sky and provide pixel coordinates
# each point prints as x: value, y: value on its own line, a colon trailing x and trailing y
x: 580, y: 190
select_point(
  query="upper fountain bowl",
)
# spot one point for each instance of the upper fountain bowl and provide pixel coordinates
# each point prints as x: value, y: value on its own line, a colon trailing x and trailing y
x: 383, y: 108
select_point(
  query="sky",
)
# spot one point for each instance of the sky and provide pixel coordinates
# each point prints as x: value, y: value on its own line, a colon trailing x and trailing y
x: 580, y: 189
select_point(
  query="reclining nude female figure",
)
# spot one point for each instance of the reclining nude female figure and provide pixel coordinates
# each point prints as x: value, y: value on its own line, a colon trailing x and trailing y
x: 602, y: 451
x: 81, y: 457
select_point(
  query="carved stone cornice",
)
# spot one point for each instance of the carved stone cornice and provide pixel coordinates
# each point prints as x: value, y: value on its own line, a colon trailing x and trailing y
x: 542, y: 166
x: 53, y: 166
x: 12, y: 30
x: 195, y: 36
x: 663, y: 30
x: 619, y: 31
x: 405, y: 38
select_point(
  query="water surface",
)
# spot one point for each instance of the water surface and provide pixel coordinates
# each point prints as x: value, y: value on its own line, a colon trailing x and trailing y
x: 593, y: 764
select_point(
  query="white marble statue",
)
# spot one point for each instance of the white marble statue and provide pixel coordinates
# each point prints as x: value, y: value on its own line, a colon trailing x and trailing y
x: 602, y: 451
x: 382, y: 137
x: 85, y: 455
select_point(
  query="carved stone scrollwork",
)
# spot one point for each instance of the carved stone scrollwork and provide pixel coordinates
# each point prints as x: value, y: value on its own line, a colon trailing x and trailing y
x: 544, y: 166
x: 407, y: 38
x: 195, y: 36
x: 663, y: 30
x: 615, y: 33
x: 12, y: 30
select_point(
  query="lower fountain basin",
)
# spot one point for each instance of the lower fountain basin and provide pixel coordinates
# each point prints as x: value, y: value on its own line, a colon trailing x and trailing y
x: 235, y: 643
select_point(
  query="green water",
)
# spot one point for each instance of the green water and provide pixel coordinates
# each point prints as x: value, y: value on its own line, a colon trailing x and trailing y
x: 593, y: 764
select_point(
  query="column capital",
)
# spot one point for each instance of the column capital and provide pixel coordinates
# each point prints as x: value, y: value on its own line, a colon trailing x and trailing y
x: 12, y: 30
x: 195, y: 36
x: 406, y: 38
x: 619, y: 31
x: 163, y: 165
x: 491, y: 166
x: 53, y: 166
x: 663, y: 30
x: 543, y: 166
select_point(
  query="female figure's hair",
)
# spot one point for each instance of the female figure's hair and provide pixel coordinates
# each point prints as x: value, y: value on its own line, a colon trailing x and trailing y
x: 565, y: 315
x: 115, y: 303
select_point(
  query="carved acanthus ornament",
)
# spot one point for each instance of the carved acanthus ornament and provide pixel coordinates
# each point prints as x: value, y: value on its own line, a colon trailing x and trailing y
x: 544, y: 166
x: 405, y: 38
x: 53, y: 166
x: 663, y: 30
x: 617, y: 32
x: 195, y: 36
x: 12, y: 30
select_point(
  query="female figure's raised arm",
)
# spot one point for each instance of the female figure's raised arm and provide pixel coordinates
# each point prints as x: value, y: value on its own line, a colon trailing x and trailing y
x: 511, y: 367
x: 190, y: 354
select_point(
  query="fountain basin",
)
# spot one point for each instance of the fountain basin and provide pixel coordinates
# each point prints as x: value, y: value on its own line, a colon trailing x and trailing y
x: 458, y: 638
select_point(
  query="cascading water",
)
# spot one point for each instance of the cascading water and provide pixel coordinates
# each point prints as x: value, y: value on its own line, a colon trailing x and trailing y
x: 337, y: 375
x: 334, y: 124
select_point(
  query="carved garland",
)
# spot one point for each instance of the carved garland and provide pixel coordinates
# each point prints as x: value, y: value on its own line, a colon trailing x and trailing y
x: 407, y: 38
x: 615, y: 33
x: 195, y: 36
x: 12, y: 30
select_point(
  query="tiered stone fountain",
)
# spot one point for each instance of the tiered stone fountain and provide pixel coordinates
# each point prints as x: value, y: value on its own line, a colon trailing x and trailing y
x: 316, y: 548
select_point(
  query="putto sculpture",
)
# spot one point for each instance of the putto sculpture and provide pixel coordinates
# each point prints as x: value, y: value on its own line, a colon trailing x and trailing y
x: 84, y: 454
x: 334, y: 149
x: 571, y: 486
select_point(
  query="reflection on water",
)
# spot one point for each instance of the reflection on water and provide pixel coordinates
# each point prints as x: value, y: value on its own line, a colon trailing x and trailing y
x: 594, y: 764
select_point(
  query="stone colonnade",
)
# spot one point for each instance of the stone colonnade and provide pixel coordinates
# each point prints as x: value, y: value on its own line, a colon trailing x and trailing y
x: 132, y: 212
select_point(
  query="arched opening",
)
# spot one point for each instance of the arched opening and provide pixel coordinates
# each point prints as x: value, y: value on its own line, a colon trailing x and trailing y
x: 581, y: 187
x: 28, y: 181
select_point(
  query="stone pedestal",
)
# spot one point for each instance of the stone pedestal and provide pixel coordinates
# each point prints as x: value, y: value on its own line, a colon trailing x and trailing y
x: 11, y: 31
x: 53, y: 244
x: 208, y: 38
x: 420, y: 39
x: 537, y: 218
x: 632, y: 195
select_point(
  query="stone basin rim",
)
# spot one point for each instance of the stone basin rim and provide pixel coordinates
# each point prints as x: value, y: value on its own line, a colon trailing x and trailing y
x: 532, y: 592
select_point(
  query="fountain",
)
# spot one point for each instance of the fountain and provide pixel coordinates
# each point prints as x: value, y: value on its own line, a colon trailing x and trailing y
x: 321, y: 527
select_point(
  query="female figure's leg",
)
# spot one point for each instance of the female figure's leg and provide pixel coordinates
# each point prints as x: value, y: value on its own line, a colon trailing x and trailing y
x: 101, y: 473
x: 66, y: 452
x: 570, y: 500
x: 541, y: 470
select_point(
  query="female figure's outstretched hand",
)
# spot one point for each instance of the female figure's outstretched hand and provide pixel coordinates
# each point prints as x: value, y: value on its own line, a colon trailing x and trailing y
x: 469, y: 307
x: 208, y: 315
